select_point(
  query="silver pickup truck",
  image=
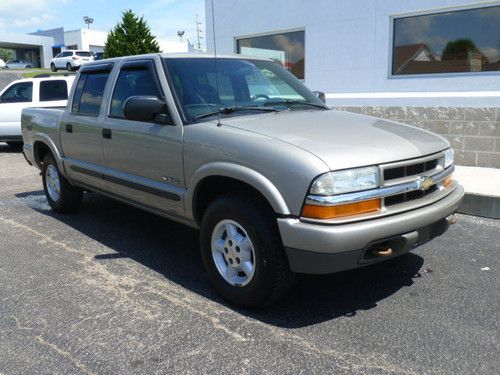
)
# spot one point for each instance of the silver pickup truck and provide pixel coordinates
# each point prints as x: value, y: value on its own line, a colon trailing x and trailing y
x: 276, y: 182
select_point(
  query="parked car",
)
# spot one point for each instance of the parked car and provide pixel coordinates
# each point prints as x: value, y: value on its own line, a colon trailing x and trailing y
x: 70, y: 60
x: 276, y: 182
x: 24, y: 93
x: 2, y: 64
x: 18, y: 64
x: 98, y: 56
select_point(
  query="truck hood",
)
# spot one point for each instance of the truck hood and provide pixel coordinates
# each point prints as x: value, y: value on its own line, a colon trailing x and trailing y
x: 342, y: 139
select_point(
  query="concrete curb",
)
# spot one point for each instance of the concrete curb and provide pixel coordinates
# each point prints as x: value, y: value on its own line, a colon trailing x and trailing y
x: 480, y: 205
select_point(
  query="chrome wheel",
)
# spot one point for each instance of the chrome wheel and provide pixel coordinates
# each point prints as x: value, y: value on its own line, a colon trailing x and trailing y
x: 53, y: 183
x: 233, y: 253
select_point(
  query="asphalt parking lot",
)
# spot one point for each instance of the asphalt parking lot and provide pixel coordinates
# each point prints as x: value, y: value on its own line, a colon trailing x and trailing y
x: 116, y: 290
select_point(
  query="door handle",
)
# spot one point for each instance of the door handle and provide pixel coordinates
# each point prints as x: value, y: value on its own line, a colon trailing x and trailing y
x: 69, y: 128
x: 106, y: 133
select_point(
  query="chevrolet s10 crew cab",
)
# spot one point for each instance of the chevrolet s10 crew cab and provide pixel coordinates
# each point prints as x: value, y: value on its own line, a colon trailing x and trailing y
x: 276, y: 182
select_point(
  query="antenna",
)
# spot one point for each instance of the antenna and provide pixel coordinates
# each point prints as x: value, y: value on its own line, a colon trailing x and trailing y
x: 215, y: 62
x: 198, y: 33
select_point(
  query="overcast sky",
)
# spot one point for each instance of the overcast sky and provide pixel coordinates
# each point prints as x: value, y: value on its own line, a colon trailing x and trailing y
x: 165, y: 17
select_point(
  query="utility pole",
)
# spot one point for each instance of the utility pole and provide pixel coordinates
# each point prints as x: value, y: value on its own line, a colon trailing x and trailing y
x: 198, y: 33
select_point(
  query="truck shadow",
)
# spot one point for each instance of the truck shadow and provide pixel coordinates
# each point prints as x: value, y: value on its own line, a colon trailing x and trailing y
x: 171, y: 249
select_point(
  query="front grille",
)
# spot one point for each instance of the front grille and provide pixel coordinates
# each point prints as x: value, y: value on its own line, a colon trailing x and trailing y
x: 410, y: 196
x: 410, y: 170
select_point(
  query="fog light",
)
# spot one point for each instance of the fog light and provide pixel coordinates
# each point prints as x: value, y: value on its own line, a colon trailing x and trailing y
x: 343, y: 210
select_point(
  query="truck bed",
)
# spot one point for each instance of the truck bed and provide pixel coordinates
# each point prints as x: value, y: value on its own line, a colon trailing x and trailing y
x: 41, y: 121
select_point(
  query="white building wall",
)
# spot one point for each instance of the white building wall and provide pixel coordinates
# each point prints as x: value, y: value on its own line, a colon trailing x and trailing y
x: 86, y: 39
x: 348, y: 48
x: 44, y: 43
x: 73, y: 38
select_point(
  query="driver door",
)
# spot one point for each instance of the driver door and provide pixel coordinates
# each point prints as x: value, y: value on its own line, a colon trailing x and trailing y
x: 143, y: 160
x: 12, y: 101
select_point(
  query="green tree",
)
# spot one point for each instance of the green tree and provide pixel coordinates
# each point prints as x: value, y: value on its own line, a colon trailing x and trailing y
x: 458, y: 49
x: 6, y: 54
x: 131, y: 36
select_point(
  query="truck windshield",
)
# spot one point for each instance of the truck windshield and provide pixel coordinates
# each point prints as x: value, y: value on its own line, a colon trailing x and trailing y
x: 204, y: 88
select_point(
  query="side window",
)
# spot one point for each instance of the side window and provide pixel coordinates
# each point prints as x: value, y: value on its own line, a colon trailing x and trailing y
x: 132, y: 82
x: 88, y: 94
x: 53, y: 90
x: 18, y: 93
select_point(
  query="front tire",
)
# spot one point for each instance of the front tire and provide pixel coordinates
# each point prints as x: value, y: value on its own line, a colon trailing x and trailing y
x: 61, y: 195
x: 242, y: 251
x: 53, y: 67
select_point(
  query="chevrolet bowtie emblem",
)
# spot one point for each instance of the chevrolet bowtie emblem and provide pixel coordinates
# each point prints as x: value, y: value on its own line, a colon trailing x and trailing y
x: 425, y: 183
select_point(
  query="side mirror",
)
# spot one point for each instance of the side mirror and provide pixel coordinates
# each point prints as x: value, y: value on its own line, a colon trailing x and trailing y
x: 320, y: 95
x: 147, y: 109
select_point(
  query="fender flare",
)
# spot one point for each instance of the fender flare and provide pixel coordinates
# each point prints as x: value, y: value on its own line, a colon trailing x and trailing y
x: 47, y: 141
x: 238, y: 172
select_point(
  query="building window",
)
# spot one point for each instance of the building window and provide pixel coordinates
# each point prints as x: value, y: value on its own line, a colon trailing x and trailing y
x: 450, y: 42
x: 286, y: 49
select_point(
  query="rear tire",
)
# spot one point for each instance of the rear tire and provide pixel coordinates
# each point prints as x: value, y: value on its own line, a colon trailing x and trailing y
x: 61, y: 195
x: 69, y: 68
x: 53, y: 67
x: 270, y: 278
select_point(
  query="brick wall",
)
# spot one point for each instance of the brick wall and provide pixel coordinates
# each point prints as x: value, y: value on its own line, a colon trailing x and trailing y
x: 474, y: 133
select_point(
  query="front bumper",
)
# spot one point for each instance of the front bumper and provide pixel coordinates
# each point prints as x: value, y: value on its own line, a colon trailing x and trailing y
x: 315, y: 248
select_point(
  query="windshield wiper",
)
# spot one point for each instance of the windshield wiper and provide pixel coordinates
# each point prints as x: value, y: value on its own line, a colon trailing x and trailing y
x: 295, y: 101
x: 231, y: 109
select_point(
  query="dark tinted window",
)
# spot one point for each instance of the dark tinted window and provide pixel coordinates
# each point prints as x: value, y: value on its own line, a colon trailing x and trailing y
x: 53, y: 90
x: 88, y: 94
x: 132, y: 82
x: 84, y: 54
x: 18, y: 93
x: 286, y: 49
x: 450, y: 42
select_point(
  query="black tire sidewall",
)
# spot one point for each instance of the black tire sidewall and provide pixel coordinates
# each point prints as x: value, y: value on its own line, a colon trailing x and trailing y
x: 69, y: 68
x: 266, y: 242
x: 53, y: 67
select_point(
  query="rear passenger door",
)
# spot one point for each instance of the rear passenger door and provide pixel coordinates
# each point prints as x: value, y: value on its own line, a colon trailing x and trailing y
x: 143, y: 159
x: 80, y: 128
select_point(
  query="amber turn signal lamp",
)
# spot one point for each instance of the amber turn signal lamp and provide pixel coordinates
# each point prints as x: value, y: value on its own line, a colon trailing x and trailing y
x: 447, y: 181
x: 332, y: 212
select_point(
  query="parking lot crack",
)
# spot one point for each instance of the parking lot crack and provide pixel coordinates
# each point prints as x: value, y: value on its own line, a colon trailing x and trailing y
x: 65, y: 354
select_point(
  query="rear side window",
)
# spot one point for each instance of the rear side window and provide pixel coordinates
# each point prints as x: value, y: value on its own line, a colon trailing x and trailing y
x: 132, y: 82
x: 53, y: 90
x: 83, y: 54
x: 18, y: 93
x: 88, y: 93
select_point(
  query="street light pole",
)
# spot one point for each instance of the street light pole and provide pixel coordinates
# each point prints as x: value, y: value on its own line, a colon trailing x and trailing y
x: 88, y: 20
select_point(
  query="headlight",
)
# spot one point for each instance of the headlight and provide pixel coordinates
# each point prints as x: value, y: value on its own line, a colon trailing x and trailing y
x: 448, y: 157
x: 347, y: 181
